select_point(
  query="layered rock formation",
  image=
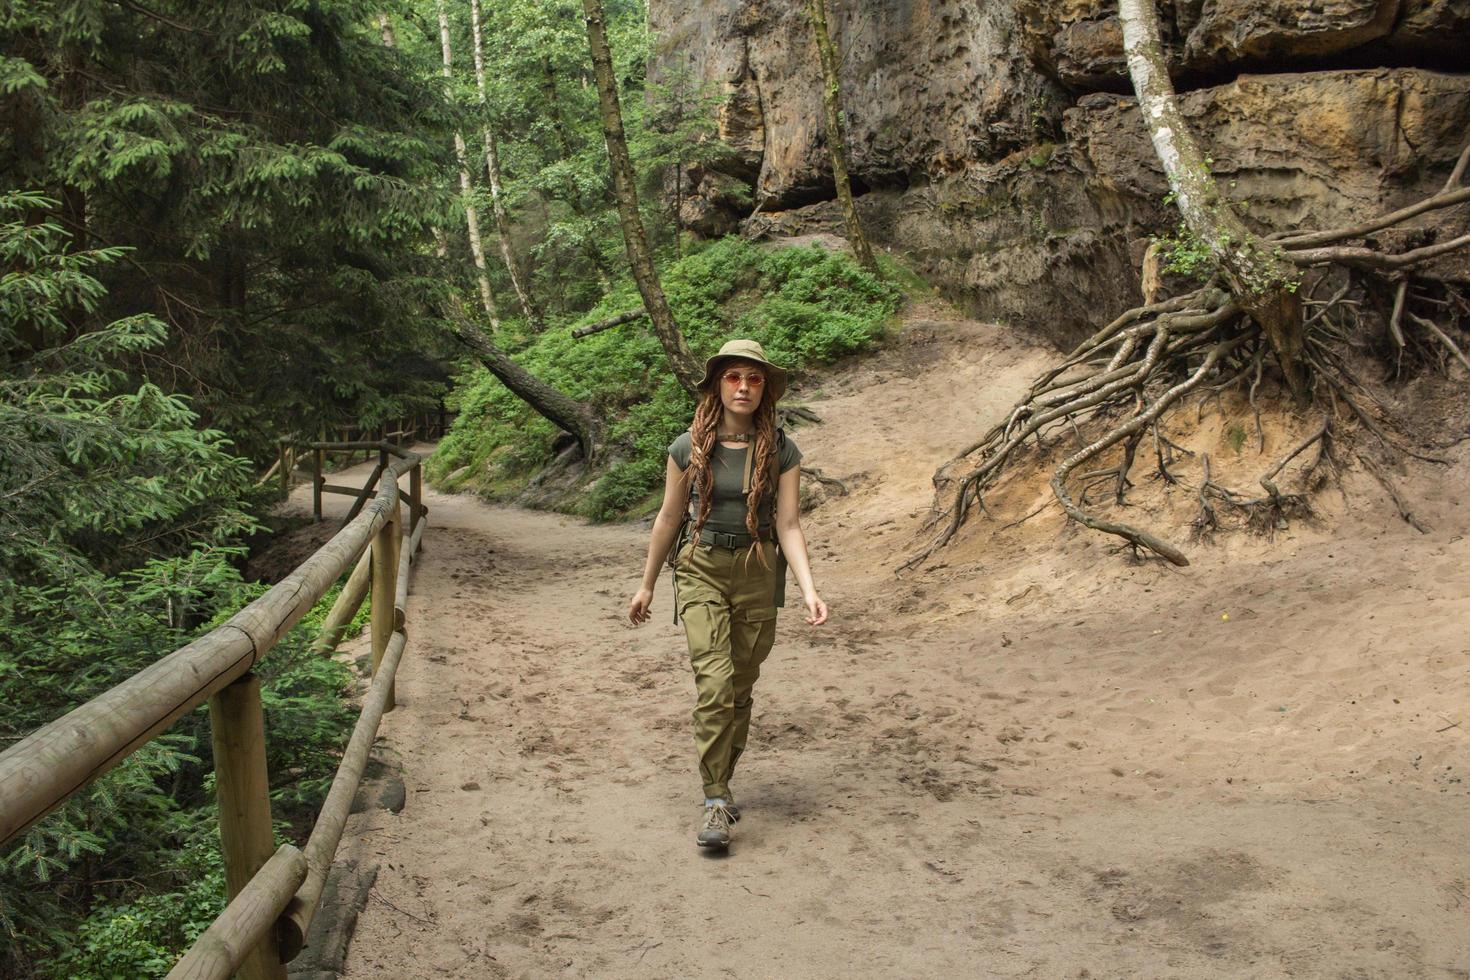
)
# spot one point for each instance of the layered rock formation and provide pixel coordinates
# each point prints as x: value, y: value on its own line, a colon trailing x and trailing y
x: 994, y: 144
x: 930, y: 86
x: 1081, y: 41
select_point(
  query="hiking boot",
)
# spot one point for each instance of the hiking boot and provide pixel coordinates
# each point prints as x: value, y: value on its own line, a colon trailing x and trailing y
x: 715, y: 830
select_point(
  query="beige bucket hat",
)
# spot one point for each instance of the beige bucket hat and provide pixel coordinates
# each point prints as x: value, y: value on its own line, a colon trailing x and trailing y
x: 747, y: 350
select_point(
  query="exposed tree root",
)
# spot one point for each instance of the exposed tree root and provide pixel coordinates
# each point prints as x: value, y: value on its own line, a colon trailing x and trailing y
x: 1393, y: 493
x: 1208, y: 521
x: 812, y: 473
x: 1138, y: 423
x: 1139, y: 367
x: 793, y: 415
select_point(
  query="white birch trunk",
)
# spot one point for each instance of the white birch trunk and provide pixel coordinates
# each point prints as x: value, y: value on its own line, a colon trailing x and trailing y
x: 1260, y: 281
x: 471, y: 216
x: 497, y: 204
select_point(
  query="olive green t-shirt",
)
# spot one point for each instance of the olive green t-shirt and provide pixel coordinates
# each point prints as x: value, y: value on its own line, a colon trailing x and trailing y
x: 727, y: 512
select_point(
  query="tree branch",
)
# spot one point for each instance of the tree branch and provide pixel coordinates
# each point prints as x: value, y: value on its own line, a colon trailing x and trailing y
x: 607, y: 324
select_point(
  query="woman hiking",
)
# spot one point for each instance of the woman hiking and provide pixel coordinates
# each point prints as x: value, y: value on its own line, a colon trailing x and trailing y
x: 730, y: 515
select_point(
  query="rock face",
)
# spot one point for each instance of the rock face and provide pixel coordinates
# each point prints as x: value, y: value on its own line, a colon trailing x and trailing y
x: 997, y: 144
x: 930, y: 86
x: 1314, y: 149
x: 1081, y: 42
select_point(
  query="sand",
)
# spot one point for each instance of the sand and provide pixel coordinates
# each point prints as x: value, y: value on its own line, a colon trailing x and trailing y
x: 1037, y: 757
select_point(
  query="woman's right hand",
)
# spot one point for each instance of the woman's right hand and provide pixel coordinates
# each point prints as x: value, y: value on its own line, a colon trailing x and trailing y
x: 638, y: 608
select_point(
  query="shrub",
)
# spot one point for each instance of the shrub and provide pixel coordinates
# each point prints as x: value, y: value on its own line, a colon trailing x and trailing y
x: 805, y: 305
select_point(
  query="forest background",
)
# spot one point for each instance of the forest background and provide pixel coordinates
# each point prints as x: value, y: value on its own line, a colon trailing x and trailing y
x: 223, y: 225
x: 277, y: 220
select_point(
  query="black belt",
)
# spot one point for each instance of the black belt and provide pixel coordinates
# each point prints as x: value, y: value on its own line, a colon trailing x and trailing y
x: 734, y: 542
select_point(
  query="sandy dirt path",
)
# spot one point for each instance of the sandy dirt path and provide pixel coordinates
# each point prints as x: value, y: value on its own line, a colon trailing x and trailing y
x: 1039, y: 760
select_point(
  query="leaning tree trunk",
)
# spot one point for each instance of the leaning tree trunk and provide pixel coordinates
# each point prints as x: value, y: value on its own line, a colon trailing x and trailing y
x: 557, y: 407
x: 471, y: 215
x: 685, y: 367
x: 1261, y: 282
x: 836, y: 133
x: 497, y: 204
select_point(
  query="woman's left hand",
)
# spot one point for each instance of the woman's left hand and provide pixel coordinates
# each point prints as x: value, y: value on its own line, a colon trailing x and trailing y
x: 816, y: 610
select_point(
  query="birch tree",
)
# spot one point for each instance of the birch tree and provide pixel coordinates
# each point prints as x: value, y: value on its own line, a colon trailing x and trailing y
x: 557, y: 407
x: 466, y: 186
x: 497, y: 203
x: 1226, y: 335
x: 1263, y: 284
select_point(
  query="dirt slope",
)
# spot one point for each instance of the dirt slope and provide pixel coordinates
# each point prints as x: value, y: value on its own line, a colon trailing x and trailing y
x: 1041, y: 759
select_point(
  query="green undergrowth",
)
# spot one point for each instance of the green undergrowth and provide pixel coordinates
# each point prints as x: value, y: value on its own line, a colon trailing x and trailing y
x: 127, y: 874
x: 122, y: 533
x: 806, y: 306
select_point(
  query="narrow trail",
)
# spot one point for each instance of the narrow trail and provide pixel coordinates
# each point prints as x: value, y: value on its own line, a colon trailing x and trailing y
x: 1040, y: 761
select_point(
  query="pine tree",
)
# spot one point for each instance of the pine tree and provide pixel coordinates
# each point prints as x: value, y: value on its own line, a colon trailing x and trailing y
x: 275, y: 173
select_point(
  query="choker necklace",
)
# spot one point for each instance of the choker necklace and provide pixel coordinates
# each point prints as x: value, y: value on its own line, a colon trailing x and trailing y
x: 735, y: 436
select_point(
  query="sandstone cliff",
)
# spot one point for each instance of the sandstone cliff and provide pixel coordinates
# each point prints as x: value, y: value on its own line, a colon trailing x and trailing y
x: 994, y: 143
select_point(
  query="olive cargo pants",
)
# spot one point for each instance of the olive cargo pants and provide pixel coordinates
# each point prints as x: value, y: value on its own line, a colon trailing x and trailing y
x: 729, y: 613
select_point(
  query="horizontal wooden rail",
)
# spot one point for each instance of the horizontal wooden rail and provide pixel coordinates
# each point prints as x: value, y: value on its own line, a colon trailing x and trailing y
x: 245, y: 921
x: 356, y: 445
x: 349, y: 600
x: 273, y: 896
x: 400, y: 594
x: 336, y: 488
x: 321, y: 848
x: 52, y: 763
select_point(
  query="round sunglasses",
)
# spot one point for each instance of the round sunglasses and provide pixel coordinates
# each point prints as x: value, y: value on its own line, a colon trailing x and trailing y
x: 733, y: 379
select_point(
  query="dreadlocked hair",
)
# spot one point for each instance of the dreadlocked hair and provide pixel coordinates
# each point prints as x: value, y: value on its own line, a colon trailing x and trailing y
x: 703, y: 433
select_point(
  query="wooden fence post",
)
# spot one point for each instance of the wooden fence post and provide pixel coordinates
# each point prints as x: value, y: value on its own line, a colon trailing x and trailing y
x: 318, y: 464
x: 385, y: 590
x: 285, y: 453
x: 415, y: 497
x: 237, y: 722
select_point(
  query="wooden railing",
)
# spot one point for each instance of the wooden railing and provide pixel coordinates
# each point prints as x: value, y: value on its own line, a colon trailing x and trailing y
x: 273, y: 892
x: 319, y: 484
x: 404, y: 432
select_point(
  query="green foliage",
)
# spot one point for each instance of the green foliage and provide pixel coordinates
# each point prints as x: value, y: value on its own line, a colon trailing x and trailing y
x: 805, y: 305
x: 1261, y: 266
x: 119, y: 537
x: 1186, y: 254
x: 543, y: 109
x: 679, y: 136
x: 143, y: 937
x: 274, y: 171
x: 94, y: 465
x: 1235, y: 435
x: 144, y: 826
x: 1041, y: 154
